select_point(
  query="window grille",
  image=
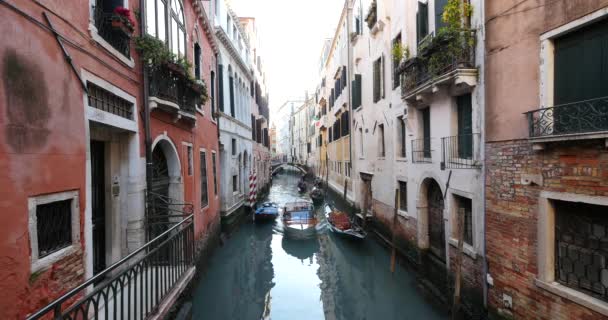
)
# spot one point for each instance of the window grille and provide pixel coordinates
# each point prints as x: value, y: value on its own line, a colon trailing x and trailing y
x: 581, y: 235
x: 102, y: 99
x: 54, y: 226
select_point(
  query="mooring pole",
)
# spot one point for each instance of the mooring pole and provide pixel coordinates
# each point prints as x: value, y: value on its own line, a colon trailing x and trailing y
x: 457, y: 285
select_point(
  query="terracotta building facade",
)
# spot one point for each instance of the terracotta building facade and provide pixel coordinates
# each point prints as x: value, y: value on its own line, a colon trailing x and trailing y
x: 73, y: 147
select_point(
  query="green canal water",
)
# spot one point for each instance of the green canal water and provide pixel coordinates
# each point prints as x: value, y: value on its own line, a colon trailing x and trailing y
x: 260, y: 274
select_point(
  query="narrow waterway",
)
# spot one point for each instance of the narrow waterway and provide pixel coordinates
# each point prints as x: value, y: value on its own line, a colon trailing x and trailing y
x: 259, y: 274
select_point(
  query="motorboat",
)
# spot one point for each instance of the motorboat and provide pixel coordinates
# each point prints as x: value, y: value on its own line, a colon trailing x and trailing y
x: 317, y: 195
x: 268, y: 211
x: 299, y: 221
x: 341, y: 224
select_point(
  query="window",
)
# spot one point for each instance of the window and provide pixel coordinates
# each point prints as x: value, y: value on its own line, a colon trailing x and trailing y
x: 401, y: 136
x: 235, y: 183
x: 347, y: 168
x: 197, y: 61
x: 214, y: 173
x: 231, y: 89
x: 190, y: 156
x: 403, y: 196
x: 220, y: 87
x: 465, y: 204
x: 422, y: 21
x: 396, y: 61
x: 361, y: 151
x: 204, y: 193
x: 465, y: 127
x: 344, y: 124
x: 381, y: 149
x: 379, y: 79
x: 356, y: 92
x: 212, y: 94
x: 54, y: 227
x: 157, y: 13
x: 426, y: 132
x: 229, y: 25
x: 580, y: 233
x: 233, y: 147
x: 439, y: 7
x: 105, y: 100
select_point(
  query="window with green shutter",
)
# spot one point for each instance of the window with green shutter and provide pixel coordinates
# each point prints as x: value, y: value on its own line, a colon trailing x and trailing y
x: 422, y: 19
x: 426, y: 131
x: 356, y: 91
x: 465, y: 127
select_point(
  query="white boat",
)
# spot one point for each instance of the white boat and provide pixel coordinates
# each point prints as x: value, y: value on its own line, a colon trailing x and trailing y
x: 299, y: 221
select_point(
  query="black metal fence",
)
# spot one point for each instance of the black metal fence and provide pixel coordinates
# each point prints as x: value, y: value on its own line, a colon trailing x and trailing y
x: 173, y: 86
x: 133, y: 287
x: 438, y: 55
x: 458, y: 152
x: 421, y: 150
x: 577, y: 117
x: 162, y: 212
x: 118, y: 39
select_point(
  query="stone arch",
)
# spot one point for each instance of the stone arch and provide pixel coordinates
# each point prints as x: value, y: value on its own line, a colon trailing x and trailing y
x: 431, y: 212
x: 164, y: 144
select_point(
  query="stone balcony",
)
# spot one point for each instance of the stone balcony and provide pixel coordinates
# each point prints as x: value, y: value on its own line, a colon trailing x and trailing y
x: 172, y: 92
x: 446, y: 60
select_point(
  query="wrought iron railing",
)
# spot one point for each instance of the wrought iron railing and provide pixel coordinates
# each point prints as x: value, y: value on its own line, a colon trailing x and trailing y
x: 118, y: 39
x: 458, y: 152
x: 170, y: 84
x: 162, y: 212
x: 438, y: 55
x: 421, y: 150
x: 133, y: 287
x: 577, y: 117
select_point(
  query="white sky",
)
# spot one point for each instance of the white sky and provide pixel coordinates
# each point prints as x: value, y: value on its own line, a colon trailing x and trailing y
x: 291, y: 33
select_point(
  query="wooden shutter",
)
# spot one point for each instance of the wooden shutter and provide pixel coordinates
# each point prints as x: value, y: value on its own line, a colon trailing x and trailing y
x: 465, y: 127
x: 376, y: 80
x: 426, y: 126
x: 422, y: 21
x: 231, y: 88
x: 356, y: 91
x: 382, y: 78
x: 220, y: 82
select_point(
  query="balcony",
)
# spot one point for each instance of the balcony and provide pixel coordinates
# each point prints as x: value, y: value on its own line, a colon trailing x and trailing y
x: 421, y: 151
x: 172, y: 92
x: 578, y: 120
x: 447, y: 59
x: 118, y: 38
x: 460, y: 152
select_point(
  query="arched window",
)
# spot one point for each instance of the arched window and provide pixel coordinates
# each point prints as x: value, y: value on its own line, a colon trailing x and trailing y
x: 165, y: 21
x: 178, y: 29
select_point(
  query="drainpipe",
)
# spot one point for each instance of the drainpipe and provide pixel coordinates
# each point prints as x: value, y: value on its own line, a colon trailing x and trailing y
x: 349, y: 67
x: 148, y: 135
x: 483, y: 159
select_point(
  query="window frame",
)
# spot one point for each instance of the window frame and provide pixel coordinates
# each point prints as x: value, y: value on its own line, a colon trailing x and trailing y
x: 400, y: 210
x: 204, y: 178
x: 381, y: 141
x: 39, y: 264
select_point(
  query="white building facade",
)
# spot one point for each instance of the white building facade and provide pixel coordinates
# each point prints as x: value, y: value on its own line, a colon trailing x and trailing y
x: 234, y: 110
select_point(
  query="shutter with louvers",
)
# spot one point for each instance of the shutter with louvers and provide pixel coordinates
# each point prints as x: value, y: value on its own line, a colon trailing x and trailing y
x: 231, y: 88
x: 426, y: 124
x: 465, y: 127
x: 383, y: 91
x: 220, y: 81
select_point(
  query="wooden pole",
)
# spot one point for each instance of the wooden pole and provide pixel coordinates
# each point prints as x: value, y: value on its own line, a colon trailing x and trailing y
x: 394, y: 251
x: 456, y: 302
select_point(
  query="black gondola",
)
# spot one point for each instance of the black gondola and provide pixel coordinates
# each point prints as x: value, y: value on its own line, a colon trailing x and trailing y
x: 350, y: 229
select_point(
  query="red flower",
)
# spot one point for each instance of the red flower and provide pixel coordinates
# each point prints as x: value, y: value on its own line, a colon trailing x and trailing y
x: 122, y: 11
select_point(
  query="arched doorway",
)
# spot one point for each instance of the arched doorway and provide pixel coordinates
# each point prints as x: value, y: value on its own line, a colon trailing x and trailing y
x: 166, y: 190
x: 435, y: 215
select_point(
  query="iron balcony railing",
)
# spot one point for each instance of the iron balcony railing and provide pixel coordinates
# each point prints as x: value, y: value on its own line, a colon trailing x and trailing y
x: 171, y: 84
x: 421, y: 151
x: 458, y: 152
x: 133, y: 287
x: 578, y: 117
x: 118, y: 39
x: 438, y: 55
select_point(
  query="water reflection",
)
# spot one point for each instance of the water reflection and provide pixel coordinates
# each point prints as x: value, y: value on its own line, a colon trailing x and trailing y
x: 259, y: 274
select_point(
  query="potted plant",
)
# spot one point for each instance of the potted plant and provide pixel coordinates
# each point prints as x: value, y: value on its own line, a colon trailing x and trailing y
x: 123, y: 21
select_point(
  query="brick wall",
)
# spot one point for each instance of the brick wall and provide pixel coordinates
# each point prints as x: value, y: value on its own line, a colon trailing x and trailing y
x: 579, y: 167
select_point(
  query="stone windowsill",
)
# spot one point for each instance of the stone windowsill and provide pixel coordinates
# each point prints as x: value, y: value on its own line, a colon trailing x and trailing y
x: 401, y: 159
x: 466, y: 248
x: 539, y: 141
x: 574, y: 295
x: 403, y: 214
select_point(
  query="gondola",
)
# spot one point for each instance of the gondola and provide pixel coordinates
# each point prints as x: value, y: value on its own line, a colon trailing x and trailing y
x: 341, y: 224
x: 317, y: 195
x: 268, y: 211
x: 299, y: 221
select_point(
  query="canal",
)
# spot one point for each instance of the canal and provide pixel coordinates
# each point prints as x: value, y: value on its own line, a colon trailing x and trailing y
x: 259, y: 274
